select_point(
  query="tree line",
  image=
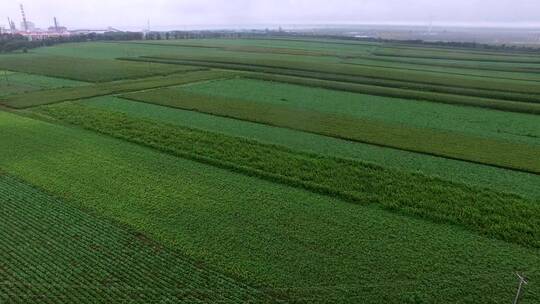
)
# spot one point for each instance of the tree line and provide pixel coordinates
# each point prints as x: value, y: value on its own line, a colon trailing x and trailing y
x: 17, y: 42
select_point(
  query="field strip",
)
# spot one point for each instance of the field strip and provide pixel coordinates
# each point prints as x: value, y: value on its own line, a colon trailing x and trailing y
x: 508, y: 126
x: 469, y: 65
x: 84, y: 69
x: 502, y: 102
x: 501, y: 105
x: 288, y: 238
x: 344, y: 70
x: 58, y: 95
x: 509, y: 155
x: 465, y: 57
x: 482, y: 211
x: 500, y: 180
x: 425, y: 68
x: 55, y: 251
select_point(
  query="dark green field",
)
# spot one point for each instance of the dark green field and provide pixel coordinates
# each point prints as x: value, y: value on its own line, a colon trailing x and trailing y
x: 268, y: 171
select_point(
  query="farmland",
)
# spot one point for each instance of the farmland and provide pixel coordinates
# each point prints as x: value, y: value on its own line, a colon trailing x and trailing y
x: 290, y: 170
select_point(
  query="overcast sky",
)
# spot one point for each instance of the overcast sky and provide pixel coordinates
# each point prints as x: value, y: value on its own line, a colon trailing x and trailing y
x: 134, y: 13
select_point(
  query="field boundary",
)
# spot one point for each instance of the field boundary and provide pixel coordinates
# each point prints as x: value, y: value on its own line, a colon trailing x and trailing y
x: 531, y: 107
x: 43, y: 97
x: 85, y: 219
x: 352, y: 129
x: 478, y: 209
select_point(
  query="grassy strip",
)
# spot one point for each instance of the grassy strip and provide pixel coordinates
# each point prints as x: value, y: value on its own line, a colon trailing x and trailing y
x: 54, y: 251
x: 416, y: 53
x: 507, y: 217
x: 84, y: 69
x: 57, y: 95
x: 388, y: 88
x: 18, y: 83
x: 449, y: 67
x: 500, y: 180
x: 472, y: 65
x: 501, y: 105
x: 314, y: 248
x: 322, y: 68
x: 498, y: 153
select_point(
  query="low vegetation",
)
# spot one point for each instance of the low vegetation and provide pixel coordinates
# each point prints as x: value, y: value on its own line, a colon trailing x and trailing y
x: 469, y: 97
x: 12, y: 83
x: 243, y: 225
x: 301, y: 68
x: 485, y: 212
x: 511, y: 155
x: 482, y: 176
x: 84, y: 69
x: 57, y: 95
x: 56, y: 253
x: 473, y: 121
x: 270, y: 170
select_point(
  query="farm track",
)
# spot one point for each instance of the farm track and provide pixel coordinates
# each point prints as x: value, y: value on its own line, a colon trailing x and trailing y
x: 54, y: 253
x: 480, y: 210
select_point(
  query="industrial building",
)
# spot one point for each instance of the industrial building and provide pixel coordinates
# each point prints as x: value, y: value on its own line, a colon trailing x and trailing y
x: 28, y: 28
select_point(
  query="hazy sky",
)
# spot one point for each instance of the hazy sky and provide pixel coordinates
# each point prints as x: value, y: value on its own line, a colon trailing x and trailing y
x: 122, y: 13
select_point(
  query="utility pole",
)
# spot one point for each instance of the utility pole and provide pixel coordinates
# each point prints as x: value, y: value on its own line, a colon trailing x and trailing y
x: 522, y: 281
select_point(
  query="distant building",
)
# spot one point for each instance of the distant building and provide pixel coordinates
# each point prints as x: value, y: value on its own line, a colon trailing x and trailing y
x: 94, y: 31
x: 29, y: 25
x: 60, y: 29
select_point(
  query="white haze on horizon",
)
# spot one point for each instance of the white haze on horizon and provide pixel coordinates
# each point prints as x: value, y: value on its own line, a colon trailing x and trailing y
x: 190, y: 14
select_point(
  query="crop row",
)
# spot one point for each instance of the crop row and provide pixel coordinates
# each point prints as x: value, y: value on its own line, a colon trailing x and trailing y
x: 503, y: 216
x: 459, y: 171
x: 505, y: 154
x: 84, y: 69
x: 57, y: 95
x: 505, y: 101
x: 17, y: 83
x: 472, y: 65
x: 429, y: 54
x: 502, y: 105
x: 341, y: 70
x: 54, y: 253
x: 300, y: 243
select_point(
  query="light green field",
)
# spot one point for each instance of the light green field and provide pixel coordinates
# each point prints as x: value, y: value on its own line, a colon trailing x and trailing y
x: 474, y: 121
x: 279, y: 170
x: 81, y: 258
x: 462, y: 172
x: 83, y: 69
x: 296, y: 243
x: 450, y: 144
x: 18, y: 83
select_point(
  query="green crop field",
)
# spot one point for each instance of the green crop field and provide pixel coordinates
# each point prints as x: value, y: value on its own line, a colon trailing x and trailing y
x: 13, y: 83
x: 269, y: 170
x: 461, y: 172
x: 83, y: 69
x: 488, y: 123
x: 106, y: 262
